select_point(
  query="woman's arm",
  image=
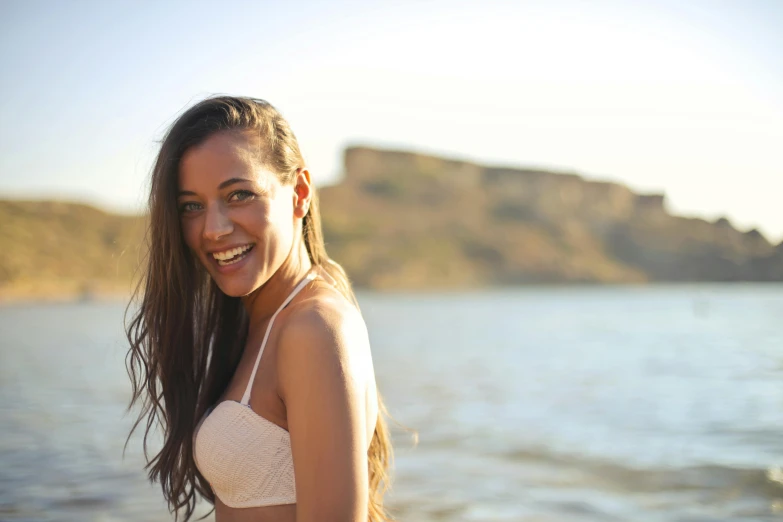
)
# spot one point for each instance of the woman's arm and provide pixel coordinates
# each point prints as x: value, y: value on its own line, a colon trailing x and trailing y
x: 322, y: 367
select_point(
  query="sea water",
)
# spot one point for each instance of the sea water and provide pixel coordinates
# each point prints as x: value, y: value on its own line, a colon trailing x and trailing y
x: 661, y: 403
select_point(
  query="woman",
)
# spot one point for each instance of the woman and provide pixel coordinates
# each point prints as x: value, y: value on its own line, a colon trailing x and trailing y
x: 248, y: 346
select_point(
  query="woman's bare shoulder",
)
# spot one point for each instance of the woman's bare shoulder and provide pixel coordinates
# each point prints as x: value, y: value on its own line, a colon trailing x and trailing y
x: 325, y: 326
x: 326, y: 311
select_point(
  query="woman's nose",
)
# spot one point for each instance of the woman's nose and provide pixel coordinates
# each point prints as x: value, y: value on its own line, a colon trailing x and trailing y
x: 217, y: 224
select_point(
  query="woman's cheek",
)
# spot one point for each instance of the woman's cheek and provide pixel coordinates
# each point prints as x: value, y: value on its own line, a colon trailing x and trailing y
x: 190, y: 234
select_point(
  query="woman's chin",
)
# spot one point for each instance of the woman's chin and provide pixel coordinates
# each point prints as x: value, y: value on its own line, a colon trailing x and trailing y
x: 235, y: 279
x: 233, y: 286
x: 233, y: 289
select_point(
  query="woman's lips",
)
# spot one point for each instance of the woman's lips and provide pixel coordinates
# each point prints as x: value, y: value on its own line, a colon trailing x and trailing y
x: 235, y: 264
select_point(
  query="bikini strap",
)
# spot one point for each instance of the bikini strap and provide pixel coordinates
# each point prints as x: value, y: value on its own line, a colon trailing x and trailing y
x: 309, y: 277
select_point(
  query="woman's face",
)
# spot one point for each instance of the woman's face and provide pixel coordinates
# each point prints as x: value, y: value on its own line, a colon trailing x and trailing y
x: 236, y: 216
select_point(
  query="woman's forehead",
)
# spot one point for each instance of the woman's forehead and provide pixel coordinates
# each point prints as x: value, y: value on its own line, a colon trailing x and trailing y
x: 223, y: 156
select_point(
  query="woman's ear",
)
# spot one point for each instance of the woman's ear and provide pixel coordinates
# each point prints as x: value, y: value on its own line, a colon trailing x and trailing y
x: 303, y: 193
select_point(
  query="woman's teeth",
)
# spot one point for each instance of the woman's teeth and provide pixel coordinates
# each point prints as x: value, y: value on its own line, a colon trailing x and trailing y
x: 229, y: 257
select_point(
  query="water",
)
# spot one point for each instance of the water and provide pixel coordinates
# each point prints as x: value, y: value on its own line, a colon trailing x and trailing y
x: 588, y: 404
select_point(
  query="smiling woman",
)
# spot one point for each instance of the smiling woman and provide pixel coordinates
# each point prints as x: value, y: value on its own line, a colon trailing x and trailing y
x: 248, y: 345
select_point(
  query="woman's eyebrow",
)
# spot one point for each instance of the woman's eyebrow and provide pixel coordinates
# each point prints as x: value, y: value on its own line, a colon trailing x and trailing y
x: 231, y: 181
x: 223, y: 185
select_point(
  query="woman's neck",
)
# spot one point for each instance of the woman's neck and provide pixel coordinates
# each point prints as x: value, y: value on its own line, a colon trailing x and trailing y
x: 264, y: 301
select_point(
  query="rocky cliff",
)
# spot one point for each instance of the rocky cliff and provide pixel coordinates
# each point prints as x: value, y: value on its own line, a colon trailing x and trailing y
x: 400, y: 220
x: 406, y: 220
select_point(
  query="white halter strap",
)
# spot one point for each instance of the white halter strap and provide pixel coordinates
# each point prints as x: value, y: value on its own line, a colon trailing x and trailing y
x: 309, y: 277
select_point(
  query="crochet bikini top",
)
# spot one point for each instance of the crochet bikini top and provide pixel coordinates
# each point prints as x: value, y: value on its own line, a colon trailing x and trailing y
x: 245, y: 457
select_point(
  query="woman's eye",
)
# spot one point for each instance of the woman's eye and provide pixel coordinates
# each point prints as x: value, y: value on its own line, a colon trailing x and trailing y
x: 188, y: 207
x: 240, y: 195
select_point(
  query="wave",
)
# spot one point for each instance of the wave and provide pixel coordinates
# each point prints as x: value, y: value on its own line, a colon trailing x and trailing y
x: 764, y: 482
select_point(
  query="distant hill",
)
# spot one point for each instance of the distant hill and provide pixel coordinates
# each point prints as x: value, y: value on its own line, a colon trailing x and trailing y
x: 400, y: 220
x: 406, y: 220
x: 52, y: 249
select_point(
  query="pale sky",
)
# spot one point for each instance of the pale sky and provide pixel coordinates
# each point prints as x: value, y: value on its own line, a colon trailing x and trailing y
x: 680, y: 97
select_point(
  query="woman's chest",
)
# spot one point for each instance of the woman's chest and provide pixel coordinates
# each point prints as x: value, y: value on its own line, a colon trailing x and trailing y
x: 264, y: 396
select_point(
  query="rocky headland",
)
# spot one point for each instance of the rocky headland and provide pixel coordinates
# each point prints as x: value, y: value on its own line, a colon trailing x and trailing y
x: 402, y: 220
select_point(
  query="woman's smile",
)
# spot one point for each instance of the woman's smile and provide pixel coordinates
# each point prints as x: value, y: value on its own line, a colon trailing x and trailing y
x: 230, y: 259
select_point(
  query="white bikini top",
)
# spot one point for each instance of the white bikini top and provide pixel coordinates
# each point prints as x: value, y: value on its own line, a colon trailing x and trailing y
x: 245, y: 457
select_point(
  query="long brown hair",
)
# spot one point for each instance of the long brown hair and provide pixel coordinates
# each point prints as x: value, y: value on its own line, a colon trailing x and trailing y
x: 183, y: 320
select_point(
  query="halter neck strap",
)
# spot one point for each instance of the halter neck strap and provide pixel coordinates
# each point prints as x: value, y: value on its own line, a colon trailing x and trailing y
x: 309, y: 277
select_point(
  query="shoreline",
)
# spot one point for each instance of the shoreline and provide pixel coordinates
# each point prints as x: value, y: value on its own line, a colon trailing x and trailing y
x: 72, y: 294
x: 69, y: 292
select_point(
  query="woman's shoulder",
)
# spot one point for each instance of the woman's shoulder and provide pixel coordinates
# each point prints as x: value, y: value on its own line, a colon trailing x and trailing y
x: 324, y: 342
x: 324, y: 320
x: 324, y: 309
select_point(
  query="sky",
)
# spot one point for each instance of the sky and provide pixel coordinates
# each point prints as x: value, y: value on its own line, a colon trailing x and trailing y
x: 684, y: 98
